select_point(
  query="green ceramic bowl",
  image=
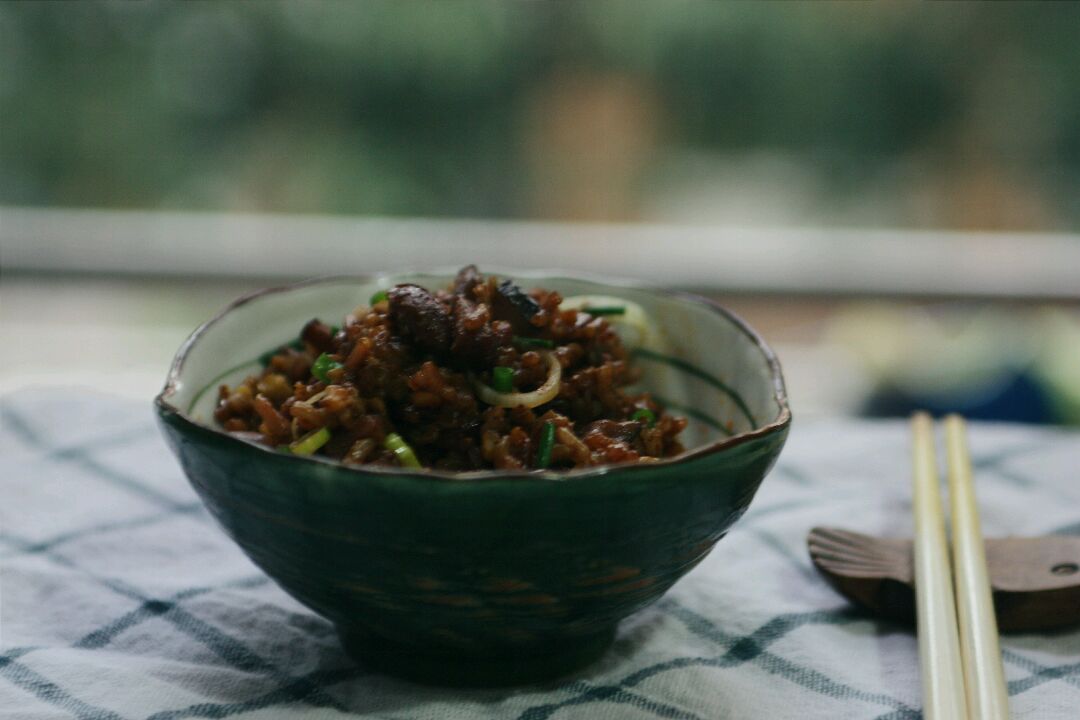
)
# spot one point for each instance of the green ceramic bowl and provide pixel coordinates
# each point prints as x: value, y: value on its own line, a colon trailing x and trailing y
x: 483, y: 577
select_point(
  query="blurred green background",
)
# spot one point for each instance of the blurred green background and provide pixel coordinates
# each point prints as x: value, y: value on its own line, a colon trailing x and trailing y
x: 944, y: 115
x: 811, y: 122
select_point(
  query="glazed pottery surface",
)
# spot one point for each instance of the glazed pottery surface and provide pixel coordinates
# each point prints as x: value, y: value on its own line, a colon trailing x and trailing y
x: 484, y: 577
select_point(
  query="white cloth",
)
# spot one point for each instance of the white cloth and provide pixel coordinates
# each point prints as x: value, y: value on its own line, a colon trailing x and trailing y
x: 121, y: 599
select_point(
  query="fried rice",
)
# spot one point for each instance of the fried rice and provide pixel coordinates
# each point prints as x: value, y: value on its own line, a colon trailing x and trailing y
x: 480, y: 375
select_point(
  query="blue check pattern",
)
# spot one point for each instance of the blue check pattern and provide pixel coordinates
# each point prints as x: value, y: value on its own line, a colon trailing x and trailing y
x: 122, y: 600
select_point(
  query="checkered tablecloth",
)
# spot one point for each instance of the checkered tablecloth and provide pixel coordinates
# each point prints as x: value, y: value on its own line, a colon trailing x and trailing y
x: 121, y: 599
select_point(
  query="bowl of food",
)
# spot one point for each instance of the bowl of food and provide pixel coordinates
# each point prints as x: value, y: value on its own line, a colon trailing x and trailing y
x: 475, y: 477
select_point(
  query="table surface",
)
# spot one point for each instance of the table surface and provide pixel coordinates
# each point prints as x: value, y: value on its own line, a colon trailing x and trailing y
x: 122, y: 599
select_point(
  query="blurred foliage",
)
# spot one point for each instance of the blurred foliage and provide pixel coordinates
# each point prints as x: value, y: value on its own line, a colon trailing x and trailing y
x: 953, y: 115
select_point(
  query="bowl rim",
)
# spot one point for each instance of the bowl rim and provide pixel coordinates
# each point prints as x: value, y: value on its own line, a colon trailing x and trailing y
x: 778, y: 424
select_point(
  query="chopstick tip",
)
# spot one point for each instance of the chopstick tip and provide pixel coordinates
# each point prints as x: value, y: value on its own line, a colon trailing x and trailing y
x: 954, y: 419
x: 921, y: 417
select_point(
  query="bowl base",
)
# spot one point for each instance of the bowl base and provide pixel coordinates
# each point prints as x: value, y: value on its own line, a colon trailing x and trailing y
x: 440, y: 666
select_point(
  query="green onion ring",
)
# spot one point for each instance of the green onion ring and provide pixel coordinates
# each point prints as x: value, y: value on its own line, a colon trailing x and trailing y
x: 311, y: 442
x: 405, y: 455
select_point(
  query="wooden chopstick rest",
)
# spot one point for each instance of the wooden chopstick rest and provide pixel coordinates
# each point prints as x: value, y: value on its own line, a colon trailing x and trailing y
x: 1035, y: 581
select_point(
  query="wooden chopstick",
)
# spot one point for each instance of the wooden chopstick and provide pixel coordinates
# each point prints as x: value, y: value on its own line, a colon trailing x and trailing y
x: 939, y: 646
x: 984, y: 677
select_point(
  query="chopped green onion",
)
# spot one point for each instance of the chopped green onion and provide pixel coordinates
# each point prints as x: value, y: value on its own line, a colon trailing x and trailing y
x: 644, y: 414
x: 379, y: 297
x: 533, y: 342
x: 311, y: 442
x: 547, y: 441
x: 502, y: 379
x: 405, y: 455
x: 604, y: 310
x: 323, y: 365
x: 283, y: 448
